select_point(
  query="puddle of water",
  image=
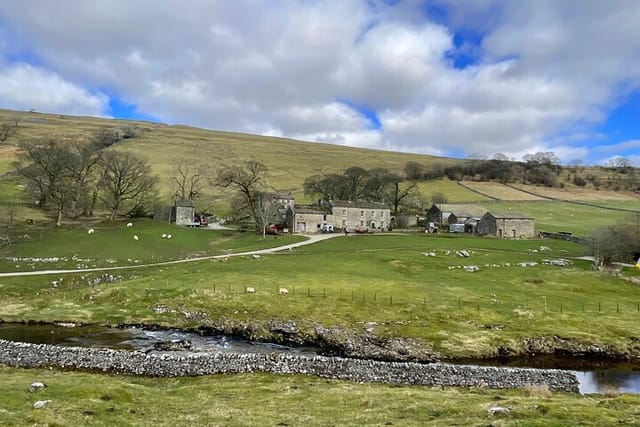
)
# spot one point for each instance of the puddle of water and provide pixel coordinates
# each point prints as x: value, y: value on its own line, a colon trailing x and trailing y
x: 594, y: 375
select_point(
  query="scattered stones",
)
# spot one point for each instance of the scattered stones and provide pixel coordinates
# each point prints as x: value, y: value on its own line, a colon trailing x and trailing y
x: 499, y: 410
x: 463, y: 253
x: 194, y: 315
x: 37, y: 386
x: 560, y: 262
x: 41, y: 403
x: 471, y: 268
x: 256, y: 256
x: 174, y: 345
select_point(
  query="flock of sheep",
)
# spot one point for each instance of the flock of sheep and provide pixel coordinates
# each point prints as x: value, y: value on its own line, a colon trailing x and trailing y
x: 135, y: 236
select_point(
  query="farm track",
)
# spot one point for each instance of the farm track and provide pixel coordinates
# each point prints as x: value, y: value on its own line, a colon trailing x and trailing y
x: 312, y: 239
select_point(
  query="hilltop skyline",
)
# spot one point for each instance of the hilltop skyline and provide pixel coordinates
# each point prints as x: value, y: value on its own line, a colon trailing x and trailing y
x: 444, y: 77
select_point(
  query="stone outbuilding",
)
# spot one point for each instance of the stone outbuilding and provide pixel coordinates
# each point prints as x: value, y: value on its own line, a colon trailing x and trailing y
x: 453, y: 213
x: 511, y: 225
x: 184, y: 212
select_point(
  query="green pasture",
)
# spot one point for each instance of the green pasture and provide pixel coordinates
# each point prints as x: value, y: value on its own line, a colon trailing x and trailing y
x: 81, y: 398
x: 350, y: 281
x: 114, y: 245
x: 554, y: 216
x: 454, y: 192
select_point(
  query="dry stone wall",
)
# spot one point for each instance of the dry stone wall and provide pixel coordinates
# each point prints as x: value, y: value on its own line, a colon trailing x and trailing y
x: 174, y: 364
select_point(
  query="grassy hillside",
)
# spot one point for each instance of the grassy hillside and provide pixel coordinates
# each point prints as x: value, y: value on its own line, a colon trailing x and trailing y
x: 290, y: 162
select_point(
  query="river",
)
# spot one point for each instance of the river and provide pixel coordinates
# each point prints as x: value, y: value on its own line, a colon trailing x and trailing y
x: 595, y: 376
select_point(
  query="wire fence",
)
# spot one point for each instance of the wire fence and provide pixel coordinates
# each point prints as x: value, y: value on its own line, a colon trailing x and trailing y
x: 491, y: 302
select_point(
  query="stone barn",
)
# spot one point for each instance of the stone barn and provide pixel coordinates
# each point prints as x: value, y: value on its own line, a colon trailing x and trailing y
x: 184, y: 212
x: 509, y: 225
x: 447, y: 214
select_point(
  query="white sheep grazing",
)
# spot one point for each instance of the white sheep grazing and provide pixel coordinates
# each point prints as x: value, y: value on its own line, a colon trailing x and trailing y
x: 168, y: 236
x: 283, y: 291
x: 129, y: 224
x: 164, y: 235
x: 91, y: 231
x: 135, y: 237
x: 250, y: 290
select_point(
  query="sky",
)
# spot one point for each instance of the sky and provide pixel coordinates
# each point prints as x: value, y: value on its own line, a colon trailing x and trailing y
x: 458, y: 78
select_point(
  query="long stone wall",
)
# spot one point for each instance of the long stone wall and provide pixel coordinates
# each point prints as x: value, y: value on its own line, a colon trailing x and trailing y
x: 174, y: 364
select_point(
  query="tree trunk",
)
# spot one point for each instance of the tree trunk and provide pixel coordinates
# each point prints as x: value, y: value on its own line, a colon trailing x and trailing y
x: 59, y: 221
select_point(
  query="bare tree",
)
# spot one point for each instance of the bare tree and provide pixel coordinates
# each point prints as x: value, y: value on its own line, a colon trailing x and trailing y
x: 546, y: 158
x: 8, y: 129
x: 266, y: 209
x: 126, y: 181
x: 614, y: 243
x: 439, y: 198
x: 46, y: 165
x: 401, y: 190
x: 248, y: 179
x: 414, y: 170
x: 84, y: 158
x: 188, y: 182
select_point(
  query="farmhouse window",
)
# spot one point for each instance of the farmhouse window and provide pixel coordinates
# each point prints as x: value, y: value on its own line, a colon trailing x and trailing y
x: 361, y: 213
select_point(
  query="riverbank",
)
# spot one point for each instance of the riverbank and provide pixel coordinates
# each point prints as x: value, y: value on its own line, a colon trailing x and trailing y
x: 175, y: 364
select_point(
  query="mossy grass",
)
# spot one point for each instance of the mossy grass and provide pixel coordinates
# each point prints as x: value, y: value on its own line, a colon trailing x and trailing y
x: 81, y: 398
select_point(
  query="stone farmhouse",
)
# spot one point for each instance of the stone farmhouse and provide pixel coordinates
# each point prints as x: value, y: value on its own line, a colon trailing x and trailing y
x: 336, y: 216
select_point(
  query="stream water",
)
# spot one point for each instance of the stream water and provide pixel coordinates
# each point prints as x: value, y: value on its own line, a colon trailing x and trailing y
x: 595, y: 376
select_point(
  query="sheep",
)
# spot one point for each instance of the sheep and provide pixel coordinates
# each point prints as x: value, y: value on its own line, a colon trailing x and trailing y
x: 164, y: 235
x: 129, y: 224
x: 168, y: 236
x: 250, y: 290
x: 283, y: 291
x: 135, y: 237
x: 91, y: 231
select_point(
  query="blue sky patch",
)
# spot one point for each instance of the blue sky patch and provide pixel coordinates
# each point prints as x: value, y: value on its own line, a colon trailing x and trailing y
x: 120, y: 109
x: 366, y: 112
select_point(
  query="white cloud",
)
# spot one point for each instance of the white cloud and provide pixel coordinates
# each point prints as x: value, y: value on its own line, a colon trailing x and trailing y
x: 25, y: 87
x: 548, y: 71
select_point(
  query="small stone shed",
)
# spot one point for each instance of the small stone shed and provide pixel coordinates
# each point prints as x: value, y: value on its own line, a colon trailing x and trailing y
x: 511, y: 225
x: 185, y: 212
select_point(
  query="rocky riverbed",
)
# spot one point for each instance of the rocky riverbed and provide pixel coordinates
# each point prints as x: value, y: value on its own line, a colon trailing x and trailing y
x: 184, y: 363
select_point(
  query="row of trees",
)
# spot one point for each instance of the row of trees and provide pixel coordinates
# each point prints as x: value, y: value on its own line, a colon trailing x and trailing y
x: 70, y: 176
x: 378, y: 185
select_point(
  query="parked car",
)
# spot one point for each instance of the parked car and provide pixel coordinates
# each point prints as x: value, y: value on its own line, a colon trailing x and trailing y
x: 326, y: 228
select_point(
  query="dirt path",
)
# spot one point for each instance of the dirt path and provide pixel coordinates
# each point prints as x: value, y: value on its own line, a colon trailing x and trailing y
x: 311, y: 240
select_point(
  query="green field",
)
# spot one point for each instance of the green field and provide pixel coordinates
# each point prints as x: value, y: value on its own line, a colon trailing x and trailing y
x: 347, y: 282
x: 554, y: 216
x: 270, y: 400
x: 114, y: 245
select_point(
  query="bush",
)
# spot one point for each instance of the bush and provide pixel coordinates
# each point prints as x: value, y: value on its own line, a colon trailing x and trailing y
x: 579, y: 181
